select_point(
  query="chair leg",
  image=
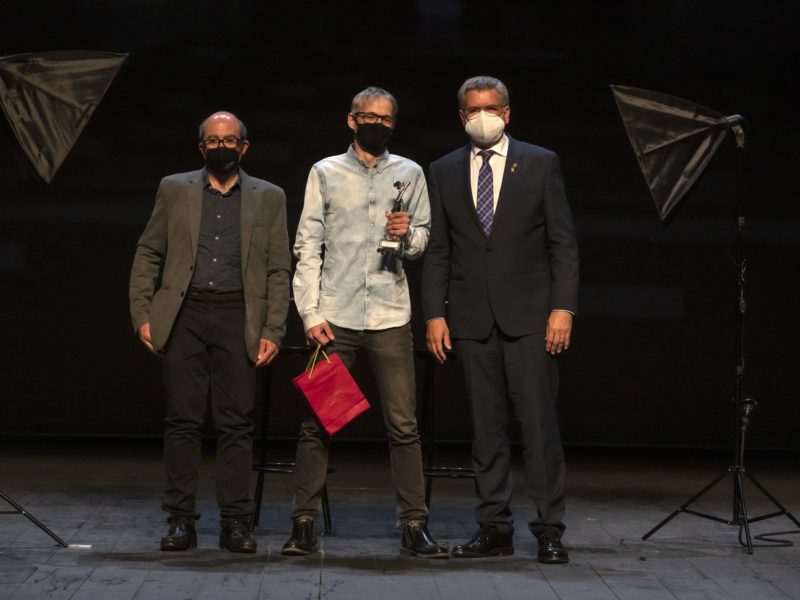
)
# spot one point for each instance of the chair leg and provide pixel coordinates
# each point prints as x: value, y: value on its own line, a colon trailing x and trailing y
x: 255, y: 517
x: 326, y: 510
x: 428, y: 489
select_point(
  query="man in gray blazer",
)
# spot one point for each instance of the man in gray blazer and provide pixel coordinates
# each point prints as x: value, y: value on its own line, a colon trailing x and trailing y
x: 209, y: 293
x: 501, y: 278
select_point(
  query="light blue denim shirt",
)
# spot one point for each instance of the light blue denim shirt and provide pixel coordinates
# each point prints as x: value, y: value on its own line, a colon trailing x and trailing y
x: 351, y: 284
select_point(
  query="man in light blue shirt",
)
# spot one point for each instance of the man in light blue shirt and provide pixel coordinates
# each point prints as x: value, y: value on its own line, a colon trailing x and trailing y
x: 353, y: 297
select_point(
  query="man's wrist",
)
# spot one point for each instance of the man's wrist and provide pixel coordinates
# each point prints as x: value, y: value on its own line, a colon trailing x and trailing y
x: 311, y: 319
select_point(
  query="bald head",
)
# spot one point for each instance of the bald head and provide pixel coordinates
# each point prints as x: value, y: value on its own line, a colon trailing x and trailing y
x: 222, y: 120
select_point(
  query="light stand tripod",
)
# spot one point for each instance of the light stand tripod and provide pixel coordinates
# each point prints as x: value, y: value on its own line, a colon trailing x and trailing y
x: 19, y: 510
x: 744, y: 406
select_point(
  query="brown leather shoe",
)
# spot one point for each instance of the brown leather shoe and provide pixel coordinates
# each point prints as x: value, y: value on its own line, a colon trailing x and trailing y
x: 551, y: 550
x: 488, y: 541
x: 303, y: 540
x: 235, y: 536
x: 417, y: 541
x: 181, y: 535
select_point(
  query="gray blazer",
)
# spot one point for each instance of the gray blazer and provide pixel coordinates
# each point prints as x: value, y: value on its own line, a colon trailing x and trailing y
x: 166, y: 252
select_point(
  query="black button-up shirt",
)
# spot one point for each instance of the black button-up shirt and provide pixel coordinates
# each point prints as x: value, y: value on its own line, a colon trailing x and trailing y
x: 218, y: 267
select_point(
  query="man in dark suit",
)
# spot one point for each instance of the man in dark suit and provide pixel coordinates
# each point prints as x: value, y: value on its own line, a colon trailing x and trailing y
x: 209, y: 292
x: 501, y: 279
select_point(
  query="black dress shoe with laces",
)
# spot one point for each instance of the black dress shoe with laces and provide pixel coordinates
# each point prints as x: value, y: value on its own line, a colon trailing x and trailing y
x: 417, y: 541
x: 181, y: 535
x: 551, y: 550
x: 235, y: 536
x: 487, y: 542
x: 304, y: 538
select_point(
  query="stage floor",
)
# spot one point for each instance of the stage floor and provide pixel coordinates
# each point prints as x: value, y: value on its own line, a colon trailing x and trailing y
x: 102, y: 498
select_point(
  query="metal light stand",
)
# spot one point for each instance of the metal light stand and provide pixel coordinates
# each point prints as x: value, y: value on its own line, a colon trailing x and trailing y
x: 743, y: 406
x: 19, y: 510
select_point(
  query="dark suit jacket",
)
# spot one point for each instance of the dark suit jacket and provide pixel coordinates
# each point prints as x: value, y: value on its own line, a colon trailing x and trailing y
x: 166, y: 252
x: 526, y: 267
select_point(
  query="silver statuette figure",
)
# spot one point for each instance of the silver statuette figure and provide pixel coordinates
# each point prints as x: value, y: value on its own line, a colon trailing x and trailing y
x: 392, y: 243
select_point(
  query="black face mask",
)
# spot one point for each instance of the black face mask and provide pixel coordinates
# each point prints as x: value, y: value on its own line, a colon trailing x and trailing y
x: 373, y: 137
x: 222, y: 160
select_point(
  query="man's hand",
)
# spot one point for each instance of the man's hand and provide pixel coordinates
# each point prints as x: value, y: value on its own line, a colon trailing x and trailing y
x: 559, y: 328
x: 144, y: 335
x: 397, y: 223
x: 437, y: 336
x: 267, y: 350
x: 320, y: 334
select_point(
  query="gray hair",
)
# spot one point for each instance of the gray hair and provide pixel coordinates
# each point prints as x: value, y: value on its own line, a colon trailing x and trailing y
x: 202, y: 131
x: 368, y: 94
x: 482, y: 82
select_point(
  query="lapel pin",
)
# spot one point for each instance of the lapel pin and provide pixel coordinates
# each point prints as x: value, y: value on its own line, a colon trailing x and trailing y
x: 514, y: 168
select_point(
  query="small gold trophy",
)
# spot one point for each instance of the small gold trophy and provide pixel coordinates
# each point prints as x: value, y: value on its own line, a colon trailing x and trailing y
x: 392, y: 243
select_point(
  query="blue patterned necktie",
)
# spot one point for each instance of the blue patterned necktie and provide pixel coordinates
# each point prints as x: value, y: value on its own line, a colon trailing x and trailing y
x: 485, y: 204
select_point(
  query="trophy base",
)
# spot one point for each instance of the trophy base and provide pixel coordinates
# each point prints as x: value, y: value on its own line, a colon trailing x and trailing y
x: 390, y: 246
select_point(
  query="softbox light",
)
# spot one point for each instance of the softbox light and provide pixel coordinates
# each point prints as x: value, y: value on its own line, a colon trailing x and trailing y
x: 673, y: 140
x: 48, y: 97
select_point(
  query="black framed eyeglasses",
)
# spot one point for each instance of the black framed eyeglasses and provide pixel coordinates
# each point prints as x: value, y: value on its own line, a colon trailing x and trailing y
x: 228, y: 141
x: 370, y: 117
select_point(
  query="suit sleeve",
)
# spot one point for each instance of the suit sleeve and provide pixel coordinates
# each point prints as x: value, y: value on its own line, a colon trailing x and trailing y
x: 148, y: 261
x: 561, y: 241
x: 278, y: 270
x: 436, y: 264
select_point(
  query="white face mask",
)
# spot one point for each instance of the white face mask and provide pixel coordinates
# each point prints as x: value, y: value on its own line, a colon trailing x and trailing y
x: 485, y: 128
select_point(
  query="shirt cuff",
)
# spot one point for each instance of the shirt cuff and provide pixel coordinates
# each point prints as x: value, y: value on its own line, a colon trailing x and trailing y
x: 405, y: 241
x: 552, y: 310
x: 310, y: 319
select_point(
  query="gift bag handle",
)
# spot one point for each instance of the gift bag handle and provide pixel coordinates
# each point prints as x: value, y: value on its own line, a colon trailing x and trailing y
x: 312, y: 362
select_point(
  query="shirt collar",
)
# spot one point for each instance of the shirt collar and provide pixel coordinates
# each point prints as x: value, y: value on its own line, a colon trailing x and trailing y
x: 207, y: 183
x: 501, y: 148
x: 380, y: 161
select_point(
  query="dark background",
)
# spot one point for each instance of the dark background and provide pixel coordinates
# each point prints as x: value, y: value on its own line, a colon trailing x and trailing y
x: 652, y: 361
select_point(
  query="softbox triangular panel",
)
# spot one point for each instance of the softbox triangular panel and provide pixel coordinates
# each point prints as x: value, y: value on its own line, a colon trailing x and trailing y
x: 48, y: 97
x: 673, y: 140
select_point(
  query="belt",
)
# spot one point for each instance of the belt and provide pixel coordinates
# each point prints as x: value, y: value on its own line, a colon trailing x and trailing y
x: 215, y: 296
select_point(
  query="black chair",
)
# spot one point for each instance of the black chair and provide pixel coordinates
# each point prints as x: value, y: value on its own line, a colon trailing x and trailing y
x: 427, y: 426
x: 263, y: 466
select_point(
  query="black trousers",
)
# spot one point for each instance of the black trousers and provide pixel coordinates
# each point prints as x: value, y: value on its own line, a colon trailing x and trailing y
x: 206, y: 353
x: 507, y: 377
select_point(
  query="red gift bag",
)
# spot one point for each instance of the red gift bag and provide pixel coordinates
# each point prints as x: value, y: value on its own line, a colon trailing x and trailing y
x: 331, y: 391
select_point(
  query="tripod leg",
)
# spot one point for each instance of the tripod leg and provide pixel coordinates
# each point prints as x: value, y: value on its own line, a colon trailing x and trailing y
x: 33, y: 519
x: 742, y: 510
x: 773, y: 499
x: 685, y: 505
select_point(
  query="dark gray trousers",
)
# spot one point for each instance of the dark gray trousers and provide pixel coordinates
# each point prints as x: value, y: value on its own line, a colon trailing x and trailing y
x: 391, y: 358
x: 507, y: 377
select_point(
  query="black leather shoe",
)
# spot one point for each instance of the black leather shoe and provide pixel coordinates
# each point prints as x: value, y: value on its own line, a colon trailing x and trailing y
x: 235, y: 536
x: 487, y: 542
x: 304, y: 538
x: 417, y: 541
x: 181, y: 535
x: 551, y: 550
